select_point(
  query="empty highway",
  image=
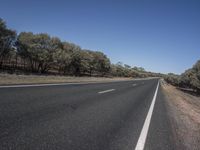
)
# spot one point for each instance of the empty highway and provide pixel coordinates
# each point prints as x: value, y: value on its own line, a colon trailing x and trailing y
x: 125, y: 115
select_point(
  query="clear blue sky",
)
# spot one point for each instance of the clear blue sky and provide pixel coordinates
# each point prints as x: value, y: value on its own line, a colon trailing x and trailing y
x: 159, y: 35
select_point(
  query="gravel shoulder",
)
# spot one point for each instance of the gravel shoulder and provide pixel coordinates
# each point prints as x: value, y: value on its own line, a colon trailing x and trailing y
x: 11, y: 79
x: 184, y: 112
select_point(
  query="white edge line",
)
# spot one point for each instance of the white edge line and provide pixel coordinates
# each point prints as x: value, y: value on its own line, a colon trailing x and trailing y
x: 143, y: 135
x: 39, y: 85
x: 106, y: 91
x: 57, y: 84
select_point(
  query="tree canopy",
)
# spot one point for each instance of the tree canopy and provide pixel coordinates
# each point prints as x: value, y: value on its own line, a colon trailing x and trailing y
x: 42, y: 53
x: 7, y: 39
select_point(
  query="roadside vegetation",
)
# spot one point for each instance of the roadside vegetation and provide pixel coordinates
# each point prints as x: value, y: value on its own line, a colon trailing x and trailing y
x: 190, y: 79
x: 40, y: 53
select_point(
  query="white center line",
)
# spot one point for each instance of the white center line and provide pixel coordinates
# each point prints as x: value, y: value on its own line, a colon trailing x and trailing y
x: 143, y: 135
x: 106, y: 91
x: 134, y: 84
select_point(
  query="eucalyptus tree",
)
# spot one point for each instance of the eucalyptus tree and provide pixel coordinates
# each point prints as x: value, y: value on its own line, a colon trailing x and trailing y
x: 39, y: 49
x: 191, y: 77
x: 102, y: 63
x: 63, y: 57
x: 25, y: 48
x: 75, y: 65
x: 7, y: 40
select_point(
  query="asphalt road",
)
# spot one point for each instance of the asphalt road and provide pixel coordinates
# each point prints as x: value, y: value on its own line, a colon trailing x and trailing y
x: 97, y: 116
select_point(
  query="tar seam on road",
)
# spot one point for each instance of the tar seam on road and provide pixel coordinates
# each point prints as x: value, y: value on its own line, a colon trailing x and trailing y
x: 143, y: 135
x: 106, y: 91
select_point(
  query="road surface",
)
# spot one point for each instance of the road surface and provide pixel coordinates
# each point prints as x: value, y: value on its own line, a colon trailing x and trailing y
x: 93, y: 116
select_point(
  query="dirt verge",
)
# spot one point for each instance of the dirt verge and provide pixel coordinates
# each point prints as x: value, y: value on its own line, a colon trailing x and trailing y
x: 10, y: 79
x: 184, y: 112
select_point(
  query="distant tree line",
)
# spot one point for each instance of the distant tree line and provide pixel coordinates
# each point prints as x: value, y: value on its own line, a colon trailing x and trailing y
x: 41, y: 53
x: 189, y: 79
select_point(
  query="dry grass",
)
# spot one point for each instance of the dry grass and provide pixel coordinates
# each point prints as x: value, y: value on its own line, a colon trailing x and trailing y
x: 184, y: 110
x: 8, y: 79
